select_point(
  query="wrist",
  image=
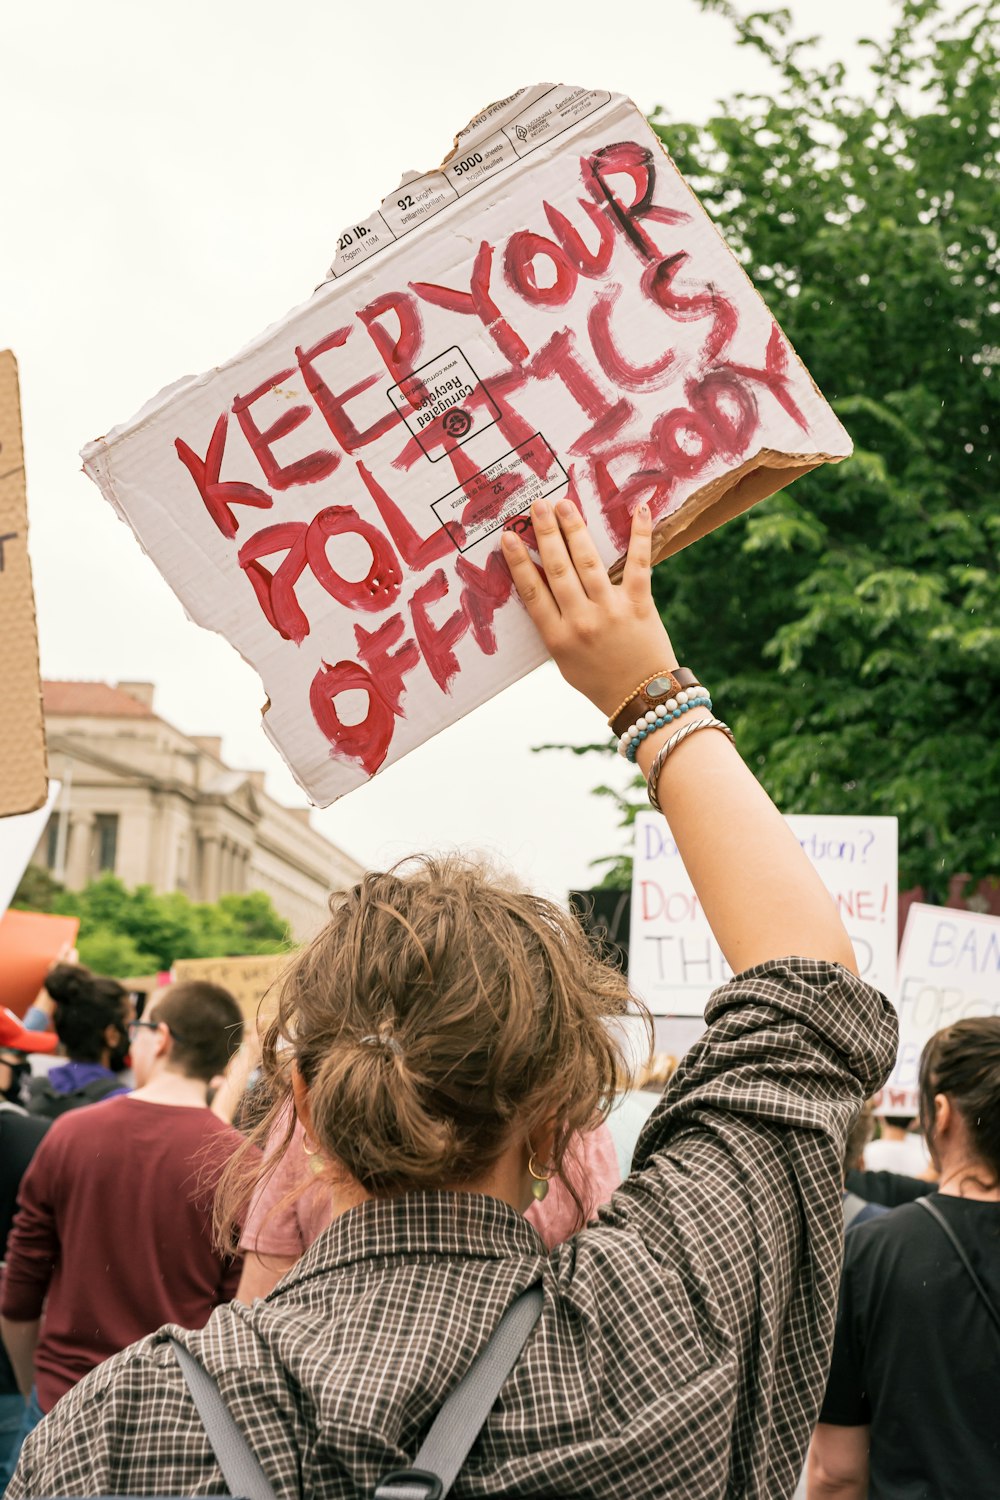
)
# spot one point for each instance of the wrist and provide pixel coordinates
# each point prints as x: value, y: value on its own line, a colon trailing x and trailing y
x: 653, y: 743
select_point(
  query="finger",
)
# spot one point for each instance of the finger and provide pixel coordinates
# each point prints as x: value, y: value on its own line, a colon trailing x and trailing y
x: 591, y: 572
x: 532, y: 590
x: 636, y: 578
x: 560, y: 574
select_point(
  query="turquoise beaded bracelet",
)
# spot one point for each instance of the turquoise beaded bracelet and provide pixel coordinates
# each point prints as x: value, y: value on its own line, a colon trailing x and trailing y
x: 656, y: 718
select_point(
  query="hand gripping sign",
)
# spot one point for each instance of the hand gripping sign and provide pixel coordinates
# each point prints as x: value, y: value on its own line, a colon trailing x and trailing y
x: 551, y: 313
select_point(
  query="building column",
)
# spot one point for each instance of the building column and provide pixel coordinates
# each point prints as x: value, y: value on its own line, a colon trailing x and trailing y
x: 80, y: 859
x: 210, y: 867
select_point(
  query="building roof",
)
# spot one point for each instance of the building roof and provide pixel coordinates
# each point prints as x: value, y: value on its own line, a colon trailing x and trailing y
x: 92, y: 698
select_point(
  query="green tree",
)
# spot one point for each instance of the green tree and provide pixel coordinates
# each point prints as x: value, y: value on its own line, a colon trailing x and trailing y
x: 126, y: 933
x: 848, y: 626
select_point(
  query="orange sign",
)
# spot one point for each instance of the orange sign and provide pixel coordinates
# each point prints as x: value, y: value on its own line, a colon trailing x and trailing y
x: 30, y: 943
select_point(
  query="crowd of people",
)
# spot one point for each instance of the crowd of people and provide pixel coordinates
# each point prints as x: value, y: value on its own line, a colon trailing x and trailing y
x: 740, y: 1292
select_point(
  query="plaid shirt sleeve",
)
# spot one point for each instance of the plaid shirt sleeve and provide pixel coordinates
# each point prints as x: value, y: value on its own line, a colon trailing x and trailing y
x: 684, y: 1341
x: 737, y: 1181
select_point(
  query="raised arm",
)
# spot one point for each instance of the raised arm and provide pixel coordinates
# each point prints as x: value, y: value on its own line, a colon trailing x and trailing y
x: 757, y: 887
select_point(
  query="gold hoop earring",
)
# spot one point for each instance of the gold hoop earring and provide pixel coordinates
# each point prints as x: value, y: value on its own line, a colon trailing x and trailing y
x: 539, y: 1180
x: 305, y: 1146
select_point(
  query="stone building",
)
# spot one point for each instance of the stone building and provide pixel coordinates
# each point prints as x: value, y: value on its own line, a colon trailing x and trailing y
x: 161, y: 808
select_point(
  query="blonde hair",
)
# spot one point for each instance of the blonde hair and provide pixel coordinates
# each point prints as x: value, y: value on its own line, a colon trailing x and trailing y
x: 438, y: 1011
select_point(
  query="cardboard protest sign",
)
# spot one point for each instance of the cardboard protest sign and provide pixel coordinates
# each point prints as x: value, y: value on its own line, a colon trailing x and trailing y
x: 19, y: 836
x: 23, y: 783
x: 30, y: 943
x: 675, y: 962
x: 248, y: 980
x: 949, y: 968
x: 551, y: 313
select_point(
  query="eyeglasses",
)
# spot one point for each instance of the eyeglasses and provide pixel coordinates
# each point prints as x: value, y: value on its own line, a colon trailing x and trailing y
x: 136, y: 1026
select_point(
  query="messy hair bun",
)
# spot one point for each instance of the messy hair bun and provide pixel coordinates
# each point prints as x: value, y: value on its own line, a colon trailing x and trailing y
x: 438, y: 1012
x: 86, y: 1005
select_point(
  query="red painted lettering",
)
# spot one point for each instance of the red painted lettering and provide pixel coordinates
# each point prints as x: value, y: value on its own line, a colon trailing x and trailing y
x: 281, y: 476
x: 367, y: 741
x: 631, y: 160
x: 614, y: 364
x: 774, y: 375
x: 558, y: 359
x: 401, y: 353
x: 276, y: 591
x: 416, y: 551
x: 436, y: 641
x: 383, y: 581
x: 484, y: 591
x: 219, y: 495
x: 657, y: 283
x: 387, y: 668
x: 587, y: 262
x: 523, y: 248
x: 478, y: 303
x: 334, y: 407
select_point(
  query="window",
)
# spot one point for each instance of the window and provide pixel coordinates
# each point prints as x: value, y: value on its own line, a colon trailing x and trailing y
x: 106, y: 840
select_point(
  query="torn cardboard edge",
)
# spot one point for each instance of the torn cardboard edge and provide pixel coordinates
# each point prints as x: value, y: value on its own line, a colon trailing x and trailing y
x: 561, y: 131
x: 23, y: 763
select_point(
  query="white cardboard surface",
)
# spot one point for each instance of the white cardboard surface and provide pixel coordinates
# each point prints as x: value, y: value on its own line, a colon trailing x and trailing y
x: 675, y: 962
x: 949, y: 968
x: 549, y: 313
x: 18, y: 836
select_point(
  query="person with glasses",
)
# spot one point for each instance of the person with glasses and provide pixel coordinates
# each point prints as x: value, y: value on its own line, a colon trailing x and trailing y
x: 113, y: 1233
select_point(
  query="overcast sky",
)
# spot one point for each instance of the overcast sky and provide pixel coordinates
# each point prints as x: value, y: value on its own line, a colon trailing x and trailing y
x: 174, y: 179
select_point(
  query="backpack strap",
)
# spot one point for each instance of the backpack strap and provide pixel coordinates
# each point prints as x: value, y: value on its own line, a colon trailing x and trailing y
x: 939, y: 1217
x: 460, y: 1420
x: 239, y: 1464
x: 853, y: 1206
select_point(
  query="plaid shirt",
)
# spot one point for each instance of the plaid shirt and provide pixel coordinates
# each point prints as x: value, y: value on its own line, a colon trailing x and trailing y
x: 685, y: 1338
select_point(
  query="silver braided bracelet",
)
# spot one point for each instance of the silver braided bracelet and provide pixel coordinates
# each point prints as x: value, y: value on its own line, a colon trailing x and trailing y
x: 671, y: 745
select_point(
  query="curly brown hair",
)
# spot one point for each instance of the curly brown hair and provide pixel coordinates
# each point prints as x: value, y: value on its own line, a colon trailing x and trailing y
x: 439, y: 1010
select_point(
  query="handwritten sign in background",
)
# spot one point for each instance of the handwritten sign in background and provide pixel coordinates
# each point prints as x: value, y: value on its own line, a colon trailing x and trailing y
x: 675, y: 962
x: 949, y: 968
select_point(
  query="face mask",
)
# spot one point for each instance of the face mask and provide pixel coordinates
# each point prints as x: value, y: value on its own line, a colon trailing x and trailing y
x: 18, y: 1072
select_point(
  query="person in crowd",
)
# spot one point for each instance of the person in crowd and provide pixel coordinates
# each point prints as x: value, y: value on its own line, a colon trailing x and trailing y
x: 910, y: 1411
x: 899, y: 1148
x: 858, y: 1210
x: 113, y: 1233
x: 292, y: 1205
x: 443, y: 1039
x: 91, y: 1018
x: 20, y: 1134
x: 888, y: 1188
x: 635, y: 1103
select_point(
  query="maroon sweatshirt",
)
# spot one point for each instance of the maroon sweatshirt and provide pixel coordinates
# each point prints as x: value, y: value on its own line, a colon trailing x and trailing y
x: 114, y: 1229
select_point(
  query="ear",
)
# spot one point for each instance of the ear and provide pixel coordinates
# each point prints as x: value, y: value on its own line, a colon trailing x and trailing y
x: 944, y: 1115
x: 300, y: 1095
x: 541, y: 1143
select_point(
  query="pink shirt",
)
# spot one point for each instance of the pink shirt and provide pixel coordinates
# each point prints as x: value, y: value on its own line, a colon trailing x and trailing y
x: 293, y: 1206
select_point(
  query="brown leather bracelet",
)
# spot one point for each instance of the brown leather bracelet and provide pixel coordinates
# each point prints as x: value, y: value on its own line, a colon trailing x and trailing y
x: 650, y: 694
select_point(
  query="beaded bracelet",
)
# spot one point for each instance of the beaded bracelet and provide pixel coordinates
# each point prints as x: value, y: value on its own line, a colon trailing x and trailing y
x: 668, y: 749
x: 655, y: 718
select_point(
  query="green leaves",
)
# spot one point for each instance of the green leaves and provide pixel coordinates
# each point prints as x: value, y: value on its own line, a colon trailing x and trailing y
x: 849, y: 626
x: 129, y: 933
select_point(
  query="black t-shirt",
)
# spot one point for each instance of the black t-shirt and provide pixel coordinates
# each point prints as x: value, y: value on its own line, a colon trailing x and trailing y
x: 19, y: 1135
x: 916, y: 1355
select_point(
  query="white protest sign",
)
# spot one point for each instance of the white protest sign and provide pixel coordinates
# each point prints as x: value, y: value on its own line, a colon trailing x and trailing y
x: 949, y: 968
x: 18, y: 836
x: 675, y: 962
x: 549, y: 313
